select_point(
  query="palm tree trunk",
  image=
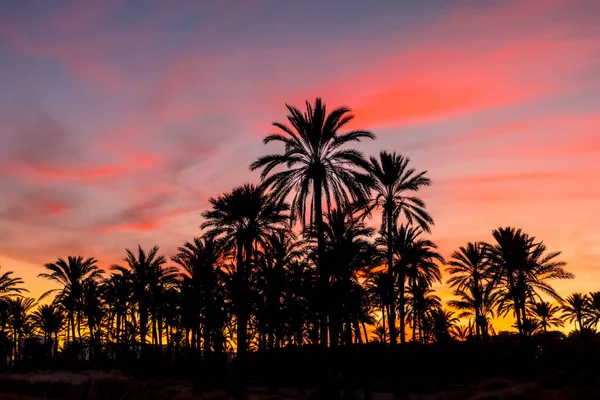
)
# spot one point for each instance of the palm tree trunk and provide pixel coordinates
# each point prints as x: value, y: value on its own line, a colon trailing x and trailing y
x: 402, y: 307
x: 322, y: 277
x: 143, y: 328
x: 73, y: 324
x: 518, y: 315
x: 206, y: 331
x: 154, y: 336
x: 242, y: 321
x: 477, y: 325
x: 390, y: 271
x: 383, y: 309
x: 357, y: 332
x: 364, y: 326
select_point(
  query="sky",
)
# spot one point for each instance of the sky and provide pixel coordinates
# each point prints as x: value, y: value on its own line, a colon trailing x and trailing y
x: 119, y: 120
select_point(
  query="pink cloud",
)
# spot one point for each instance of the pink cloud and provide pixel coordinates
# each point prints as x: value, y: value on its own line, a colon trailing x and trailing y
x: 43, y: 173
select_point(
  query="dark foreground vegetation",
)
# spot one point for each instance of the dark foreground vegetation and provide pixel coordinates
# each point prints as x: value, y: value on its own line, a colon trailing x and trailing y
x: 548, y: 366
x: 290, y: 286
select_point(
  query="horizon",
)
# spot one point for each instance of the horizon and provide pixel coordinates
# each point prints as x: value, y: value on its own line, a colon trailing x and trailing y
x: 118, y: 122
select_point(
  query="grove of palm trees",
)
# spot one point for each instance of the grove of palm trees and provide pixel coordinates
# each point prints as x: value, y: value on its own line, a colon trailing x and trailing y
x: 321, y: 273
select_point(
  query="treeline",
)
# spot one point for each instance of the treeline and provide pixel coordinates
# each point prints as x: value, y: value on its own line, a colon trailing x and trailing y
x: 293, y: 261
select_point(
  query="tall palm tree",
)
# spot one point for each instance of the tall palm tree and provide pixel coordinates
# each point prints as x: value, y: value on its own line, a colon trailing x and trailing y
x: 318, y: 168
x: 348, y: 253
x: 49, y: 319
x: 394, y: 184
x: 421, y: 303
x: 71, y: 274
x: 575, y: 309
x: 9, y: 287
x: 161, y: 280
x: 593, y: 309
x: 467, y: 306
x: 93, y: 310
x: 200, y: 262
x: 243, y: 219
x: 378, y: 284
x: 141, y: 269
x: 415, y: 259
x: 117, y: 293
x: 470, y: 277
x: 18, y: 309
x: 282, y: 249
x: 546, y: 315
x: 522, y: 267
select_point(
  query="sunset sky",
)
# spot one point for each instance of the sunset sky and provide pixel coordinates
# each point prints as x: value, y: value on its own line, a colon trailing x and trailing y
x: 118, y: 120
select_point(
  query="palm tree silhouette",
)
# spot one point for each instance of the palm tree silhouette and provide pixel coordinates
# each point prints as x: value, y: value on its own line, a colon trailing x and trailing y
x: 281, y: 250
x: 575, y: 309
x: 201, y: 274
x: 393, y: 182
x: 378, y: 284
x: 348, y: 252
x: 470, y: 277
x: 316, y: 167
x: 593, y: 309
x: 19, y: 316
x: 521, y: 267
x: 415, y: 259
x: 443, y: 323
x: 72, y: 274
x: 421, y: 302
x: 116, y: 293
x: 9, y: 286
x: 93, y: 310
x: 546, y: 315
x: 243, y: 219
x: 142, y: 270
x: 49, y: 318
x: 461, y: 332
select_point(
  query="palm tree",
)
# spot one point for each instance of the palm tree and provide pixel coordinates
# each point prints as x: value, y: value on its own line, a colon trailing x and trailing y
x: 161, y: 280
x: 461, y: 332
x: 142, y: 270
x: 467, y: 305
x: 116, y: 293
x: 298, y: 303
x: 443, y: 323
x: 593, y: 309
x: 415, y: 259
x: 18, y: 309
x: 49, y: 319
x: 575, y: 309
x: 9, y: 286
x: 199, y: 260
x: 546, y: 315
x: 470, y: 277
x: 378, y: 285
x: 421, y: 303
x: 71, y: 273
x: 348, y: 253
x: 282, y: 249
x: 522, y: 267
x: 317, y: 168
x: 244, y: 219
x: 93, y: 311
x: 393, y: 183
